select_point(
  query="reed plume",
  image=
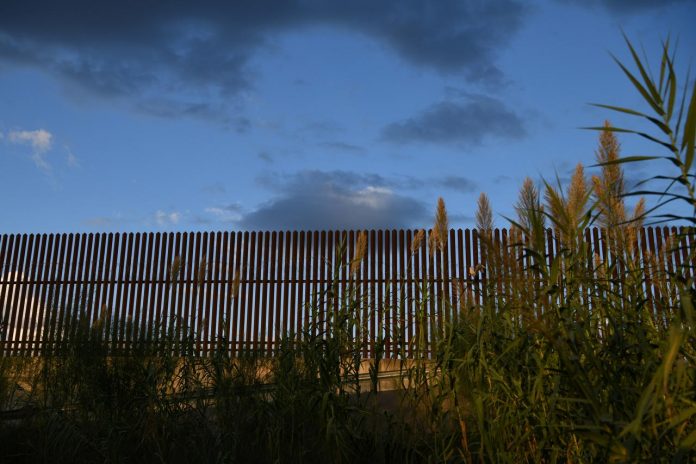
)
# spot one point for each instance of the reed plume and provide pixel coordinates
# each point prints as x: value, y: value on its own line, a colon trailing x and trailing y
x: 175, y: 268
x: 609, y: 188
x: 438, y: 237
x: 234, y: 289
x: 577, y: 197
x: 529, y: 205
x: 200, y: 272
x: 359, y: 254
x: 417, y: 241
x: 484, y: 213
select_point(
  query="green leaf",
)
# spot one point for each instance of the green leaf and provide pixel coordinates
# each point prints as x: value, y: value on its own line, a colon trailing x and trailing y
x: 655, y: 106
x: 689, y: 136
x: 667, y: 145
x: 627, y: 159
x: 646, y: 78
x: 689, y: 441
x: 671, y: 83
x: 683, y: 416
x: 620, y: 109
x: 681, y: 106
x: 665, y: 47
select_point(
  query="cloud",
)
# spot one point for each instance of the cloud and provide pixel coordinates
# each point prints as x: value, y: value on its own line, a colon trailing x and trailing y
x: 456, y: 219
x: 313, y: 200
x: 172, y: 109
x: 343, y: 147
x: 313, y: 178
x: 99, y: 221
x: 625, y: 6
x: 351, y: 179
x: 467, y: 121
x: 40, y: 141
x: 179, y: 57
x: 215, y: 188
x: 71, y: 160
x: 163, y: 218
x: 459, y: 183
x: 265, y: 156
x: 228, y: 213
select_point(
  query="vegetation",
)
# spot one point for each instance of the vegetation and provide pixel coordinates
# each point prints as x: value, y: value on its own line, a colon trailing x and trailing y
x: 567, y: 359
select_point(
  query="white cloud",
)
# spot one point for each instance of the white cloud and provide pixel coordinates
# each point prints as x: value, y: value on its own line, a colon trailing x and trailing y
x: 40, y: 141
x: 338, y: 200
x: 371, y: 196
x: 229, y: 213
x: 163, y: 218
x: 71, y: 159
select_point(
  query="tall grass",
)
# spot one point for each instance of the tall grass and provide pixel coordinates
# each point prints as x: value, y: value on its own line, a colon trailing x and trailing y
x: 562, y: 358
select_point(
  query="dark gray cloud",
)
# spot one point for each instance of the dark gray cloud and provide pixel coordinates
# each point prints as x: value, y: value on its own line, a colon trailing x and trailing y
x: 265, y: 156
x: 458, y: 183
x: 310, y: 178
x: 183, y: 55
x: 626, y: 6
x: 167, y: 108
x: 337, y: 200
x: 466, y: 121
x: 460, y: 219
x: 215, y: 188
x: 502, y: 179
x: 343, y: 147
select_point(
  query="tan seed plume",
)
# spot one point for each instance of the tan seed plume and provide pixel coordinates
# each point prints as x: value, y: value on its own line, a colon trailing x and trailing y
x: 200, y: 273
x: 577, y: 196
x: 441, y: 225
x: 528, y: 204
x: 417, y: 241
x: 609, y: 188
x: 359, y: 254
x: 433, y: 241
x: 484, y: 213
x: 234, y: 289
x: 175, y: 268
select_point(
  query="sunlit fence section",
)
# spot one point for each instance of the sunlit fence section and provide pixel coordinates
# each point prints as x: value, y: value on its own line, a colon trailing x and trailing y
x: 246, y: 290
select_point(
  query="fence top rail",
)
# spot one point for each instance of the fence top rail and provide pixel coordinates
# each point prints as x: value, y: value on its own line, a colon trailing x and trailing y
x: 302, y: 231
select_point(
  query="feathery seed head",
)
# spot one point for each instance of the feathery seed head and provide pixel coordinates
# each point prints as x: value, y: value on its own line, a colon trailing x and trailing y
x: 175, y: 268
x: 438, y: 237
x: 417, y: 241
x: 484, y: 213
x: 234, y: 289
x: 359, y: 254
x: 200, y: 273
x: 577, y: 195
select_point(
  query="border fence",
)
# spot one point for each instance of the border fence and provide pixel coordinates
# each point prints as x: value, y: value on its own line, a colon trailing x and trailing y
x: 249, y: 289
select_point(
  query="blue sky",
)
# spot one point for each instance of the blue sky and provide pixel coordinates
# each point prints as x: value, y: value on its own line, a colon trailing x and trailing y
x: 137, y: 116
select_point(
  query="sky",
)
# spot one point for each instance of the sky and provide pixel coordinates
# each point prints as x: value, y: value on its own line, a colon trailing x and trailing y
x: 307, y: 114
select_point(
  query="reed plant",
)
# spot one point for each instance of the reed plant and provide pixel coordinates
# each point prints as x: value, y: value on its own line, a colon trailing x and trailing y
x: 570, y: 356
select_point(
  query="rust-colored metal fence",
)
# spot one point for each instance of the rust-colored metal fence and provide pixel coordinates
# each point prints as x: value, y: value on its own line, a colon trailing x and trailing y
x: 248, y: 289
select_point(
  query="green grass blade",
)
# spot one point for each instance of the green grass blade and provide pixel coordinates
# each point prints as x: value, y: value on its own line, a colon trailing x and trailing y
x: 689, y: 442
x: 646, y: 96
x: 665, y: 47
x: 681, y: 107
x: 667, y: 145
x: 620, y: 109
x: 671, y: 84
x: 627, y: 159
x: 646, y: 78
x: 689, y: 136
